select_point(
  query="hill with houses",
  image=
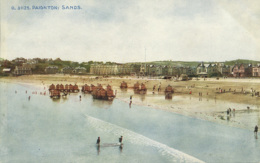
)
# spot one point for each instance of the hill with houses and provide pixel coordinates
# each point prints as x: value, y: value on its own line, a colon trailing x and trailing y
x: 233, y: 68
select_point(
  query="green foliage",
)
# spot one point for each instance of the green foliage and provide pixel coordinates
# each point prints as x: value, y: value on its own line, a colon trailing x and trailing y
x: 240, y: 61
x: 40, y: 68
x: 215, y: 74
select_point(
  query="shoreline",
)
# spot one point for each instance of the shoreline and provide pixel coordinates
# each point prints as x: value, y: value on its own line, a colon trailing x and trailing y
x: 182, y: 102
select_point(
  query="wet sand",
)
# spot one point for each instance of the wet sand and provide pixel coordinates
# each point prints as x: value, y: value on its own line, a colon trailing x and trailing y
x: 211, y: 105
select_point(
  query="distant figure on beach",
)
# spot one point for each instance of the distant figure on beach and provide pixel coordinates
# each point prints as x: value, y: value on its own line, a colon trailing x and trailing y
x: 98, y: 141
x: 29, y: 97
x: 256, y: 130
x: 121, y: 139
x: 248, y: 108
x: 227, y: 111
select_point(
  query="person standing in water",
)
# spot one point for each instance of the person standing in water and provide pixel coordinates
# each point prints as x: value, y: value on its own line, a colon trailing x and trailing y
x: 256, y: 130
x: 121, y: 139
x: 98, y: 141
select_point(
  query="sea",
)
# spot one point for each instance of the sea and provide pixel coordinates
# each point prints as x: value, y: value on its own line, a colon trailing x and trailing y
x: 40, y: 129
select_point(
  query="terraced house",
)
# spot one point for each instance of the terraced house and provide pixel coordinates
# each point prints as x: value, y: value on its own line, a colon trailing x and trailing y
x: 114, y: 69
x: 203, y: 70
x: 22, y: 70
x: 51, y: 70
x: 242, y: 70
x: 256, y: 71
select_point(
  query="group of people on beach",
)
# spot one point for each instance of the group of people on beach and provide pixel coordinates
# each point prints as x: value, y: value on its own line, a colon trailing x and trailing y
x: 120, y: 140
x: 229, y: 111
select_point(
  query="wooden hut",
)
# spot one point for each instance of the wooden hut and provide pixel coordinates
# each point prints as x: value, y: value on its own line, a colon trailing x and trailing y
x: 51, y: 87
x: 67, y: 87
x: 169, y: 89
x: 93, y: 87
x: 109, y: 87
x: 75, y: 88
x: 136, y: 86
x: 168, y: 96
x: 61, y: 87
x: 70, y: 88
x: 101, y: 93
x: 143, y: 87
x: 58, y: 87
x: 55, y: 94
x: 123, y: 85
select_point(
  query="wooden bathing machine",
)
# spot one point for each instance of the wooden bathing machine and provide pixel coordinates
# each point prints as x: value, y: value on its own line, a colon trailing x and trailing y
x: 123, y: 85
x: 86, y: 88
x: 51, y: 87
x: 140, y: 90
x: 103, y: 94
x: 55, y: 94
x: 75, y: 88
x: 136, y: 86
x: 169, y: 89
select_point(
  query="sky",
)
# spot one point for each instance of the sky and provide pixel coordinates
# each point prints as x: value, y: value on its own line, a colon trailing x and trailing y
x: 132, y: 30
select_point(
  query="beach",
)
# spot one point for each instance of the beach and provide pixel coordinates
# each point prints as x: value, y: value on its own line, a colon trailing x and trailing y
x: 199, y: 98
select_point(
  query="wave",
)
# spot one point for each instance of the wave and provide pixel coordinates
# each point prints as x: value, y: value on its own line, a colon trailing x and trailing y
x: 138, y: 139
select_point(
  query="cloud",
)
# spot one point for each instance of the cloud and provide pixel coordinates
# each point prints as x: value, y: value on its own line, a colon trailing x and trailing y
x: 121, y: 30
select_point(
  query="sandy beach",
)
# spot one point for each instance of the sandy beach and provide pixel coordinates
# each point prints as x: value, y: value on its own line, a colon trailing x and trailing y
x: 210, y: 106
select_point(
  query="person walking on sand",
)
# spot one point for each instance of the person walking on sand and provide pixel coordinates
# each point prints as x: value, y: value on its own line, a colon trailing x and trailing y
x: 256, y: 130
x: 98, y: 141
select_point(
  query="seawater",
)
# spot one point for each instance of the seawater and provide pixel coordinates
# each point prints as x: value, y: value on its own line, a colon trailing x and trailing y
x: 65, y: 130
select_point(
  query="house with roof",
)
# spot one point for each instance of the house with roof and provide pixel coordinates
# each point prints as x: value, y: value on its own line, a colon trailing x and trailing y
x: 223, y: 69
x: 173, y: 71
x: 51, y: 70
x: 80, y: 70
x: 204, y: 69
x: 256, y: 71
x: 154, y: 70
x: 6, y: 70
x: 242, y: 70
x: 22, y: 70
x: 67, y: 70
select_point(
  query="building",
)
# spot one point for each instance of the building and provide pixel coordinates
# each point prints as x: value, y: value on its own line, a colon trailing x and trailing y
x: 20, y: 60
x: 164, y: 70
x: 80, y: 70
x: 256, y: 71
x: 29, y: 64
x: 242, y: 70
x: 51, y: 70
x: 22, y: 70
x: 7, y: 70
x: 173, y: 71
x: 114, y: 69
x: 223, y: 69
x: 154, y: 70
x: 67, y: 70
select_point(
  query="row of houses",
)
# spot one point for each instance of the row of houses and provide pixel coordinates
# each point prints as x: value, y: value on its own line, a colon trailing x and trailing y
x: 115, y: 69
x: 202, y: 70
x: 65, y: 70
x: 28, y: 70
